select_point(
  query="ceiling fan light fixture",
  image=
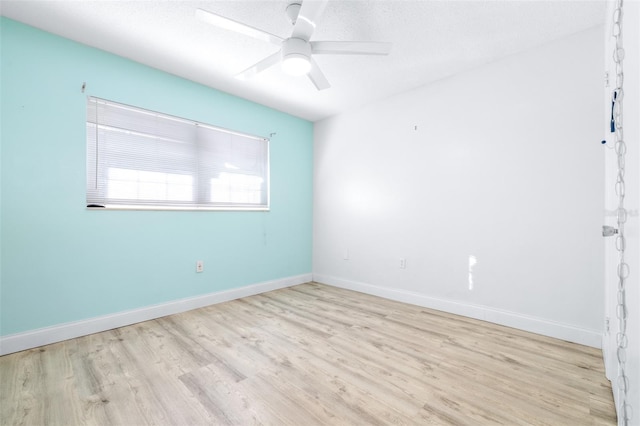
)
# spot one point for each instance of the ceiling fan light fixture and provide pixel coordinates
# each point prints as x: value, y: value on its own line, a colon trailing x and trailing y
x: 296, y: 56
x: 296, y: 64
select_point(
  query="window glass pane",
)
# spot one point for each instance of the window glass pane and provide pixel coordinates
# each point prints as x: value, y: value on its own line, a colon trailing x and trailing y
x: 127, y: 184
x: 236, y: 188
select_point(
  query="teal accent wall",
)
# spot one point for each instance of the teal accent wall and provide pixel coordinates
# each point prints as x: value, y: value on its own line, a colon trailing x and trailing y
x: 61, y: 262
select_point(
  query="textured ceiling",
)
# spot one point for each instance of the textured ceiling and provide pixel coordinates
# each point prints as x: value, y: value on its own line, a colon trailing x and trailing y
x: 431, y: 40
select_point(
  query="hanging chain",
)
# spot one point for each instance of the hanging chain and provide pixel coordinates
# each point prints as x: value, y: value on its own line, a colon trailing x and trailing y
x: 624, y: 408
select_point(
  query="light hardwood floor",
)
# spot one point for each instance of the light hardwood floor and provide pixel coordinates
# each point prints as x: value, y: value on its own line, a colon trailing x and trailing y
x: 308, y: 355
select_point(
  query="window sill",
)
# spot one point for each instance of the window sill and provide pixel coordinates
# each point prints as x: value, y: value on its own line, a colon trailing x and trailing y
x: 177, y: 208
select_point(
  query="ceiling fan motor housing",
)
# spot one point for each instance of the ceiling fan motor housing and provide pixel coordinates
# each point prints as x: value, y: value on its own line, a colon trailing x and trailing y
x: 296, y: 56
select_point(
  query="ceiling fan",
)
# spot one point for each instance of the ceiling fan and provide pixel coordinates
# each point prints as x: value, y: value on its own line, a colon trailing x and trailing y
x: 296, y: 52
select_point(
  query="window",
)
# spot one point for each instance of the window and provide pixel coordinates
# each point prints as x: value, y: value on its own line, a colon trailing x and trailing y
x: 143, y: 159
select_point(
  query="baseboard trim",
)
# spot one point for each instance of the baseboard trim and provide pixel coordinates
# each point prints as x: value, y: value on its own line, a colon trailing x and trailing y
x: 536, y: 325
x: 57, y: 333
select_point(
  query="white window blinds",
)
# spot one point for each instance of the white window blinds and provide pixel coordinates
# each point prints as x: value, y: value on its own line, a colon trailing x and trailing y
x: 137, y: 157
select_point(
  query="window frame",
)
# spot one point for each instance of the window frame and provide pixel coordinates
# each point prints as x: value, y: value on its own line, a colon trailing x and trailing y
x: 202, y: 177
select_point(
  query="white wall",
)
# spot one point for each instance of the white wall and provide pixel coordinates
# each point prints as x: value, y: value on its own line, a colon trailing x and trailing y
x: 631, y: 115
x: 503, y: 163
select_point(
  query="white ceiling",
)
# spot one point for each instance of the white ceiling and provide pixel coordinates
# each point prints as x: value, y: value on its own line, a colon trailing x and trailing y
x: 431, y: 40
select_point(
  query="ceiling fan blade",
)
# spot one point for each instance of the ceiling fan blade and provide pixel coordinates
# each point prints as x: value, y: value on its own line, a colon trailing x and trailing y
x: 259, y: 67
x: 317, y: 77
x: 308, y: 18
x: 239, y: 27
x: 350, y: 47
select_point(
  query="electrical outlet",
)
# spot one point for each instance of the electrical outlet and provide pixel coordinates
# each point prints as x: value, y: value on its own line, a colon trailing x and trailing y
x: 403, y: 263
x: 345, y: 254
x: 199, y: 266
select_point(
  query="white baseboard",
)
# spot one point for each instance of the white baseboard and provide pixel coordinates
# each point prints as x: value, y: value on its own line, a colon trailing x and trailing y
x: 536, y: 325
x: 57, y: 333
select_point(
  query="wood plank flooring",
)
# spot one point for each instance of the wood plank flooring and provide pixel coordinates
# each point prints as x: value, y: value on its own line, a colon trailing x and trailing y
x: 307, y: 355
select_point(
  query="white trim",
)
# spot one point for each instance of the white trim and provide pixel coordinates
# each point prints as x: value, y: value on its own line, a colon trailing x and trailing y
x: 57, y: 333
x: 536, y: 325
x: 176, y: 208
